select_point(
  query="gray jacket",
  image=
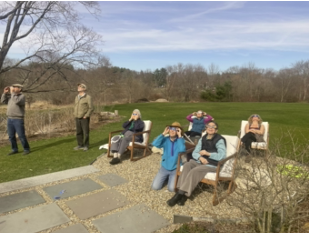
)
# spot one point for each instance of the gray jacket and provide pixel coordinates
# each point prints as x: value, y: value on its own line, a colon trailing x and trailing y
x: 16, y: 105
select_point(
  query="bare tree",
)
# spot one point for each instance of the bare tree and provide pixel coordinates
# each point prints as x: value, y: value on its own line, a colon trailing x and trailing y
x: 302, y: 69
x: 51, y: 34
x: 270, y: 191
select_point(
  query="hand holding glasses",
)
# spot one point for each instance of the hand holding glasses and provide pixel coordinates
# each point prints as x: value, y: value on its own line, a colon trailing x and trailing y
x: 134, y: 116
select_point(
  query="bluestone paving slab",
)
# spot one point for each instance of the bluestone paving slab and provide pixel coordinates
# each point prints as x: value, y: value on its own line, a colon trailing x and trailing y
x: 20, y: 200
x: 98, y: 203
x: 137, y: 219
x: 33, y: 220
x: 78, y: 228
x: 112, y: 179
x: 44, y: 179
x: 72, y: 188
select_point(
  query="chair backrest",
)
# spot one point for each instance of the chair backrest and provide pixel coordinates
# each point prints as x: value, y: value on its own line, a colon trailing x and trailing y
x: 191, y: 124
x: 146, y: 127
x: 231, y: 148
x: 243, y: 126
x: 231, y: 144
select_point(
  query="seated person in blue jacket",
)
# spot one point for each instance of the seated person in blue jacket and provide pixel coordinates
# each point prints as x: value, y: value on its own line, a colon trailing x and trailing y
x: 198, y: 123
x: 210, y: 149
x: 119, y: 143
x: 172, y: 146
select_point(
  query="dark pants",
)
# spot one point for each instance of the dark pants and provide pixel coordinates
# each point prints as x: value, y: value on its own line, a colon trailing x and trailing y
x: 82, y: 131
x: 192, y: 133
x: 248, y: 139
x: 17, y: 126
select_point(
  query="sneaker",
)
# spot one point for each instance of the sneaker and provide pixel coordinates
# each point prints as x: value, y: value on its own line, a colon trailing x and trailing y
x: 13, y: 152
x: 78, y: 148
x: 26, y: 152
x: 115, y: 161
x: 85, y: 148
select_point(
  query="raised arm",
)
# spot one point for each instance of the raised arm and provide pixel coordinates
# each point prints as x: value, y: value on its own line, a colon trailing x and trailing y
x: 189, y: 117
x: 18, y: 99
x: 159, y: 141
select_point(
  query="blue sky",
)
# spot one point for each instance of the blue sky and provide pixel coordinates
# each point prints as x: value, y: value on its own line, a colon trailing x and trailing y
x: 150, y: 35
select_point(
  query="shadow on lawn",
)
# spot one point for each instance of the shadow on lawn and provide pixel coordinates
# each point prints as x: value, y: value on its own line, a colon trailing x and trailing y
x: 57, y: 143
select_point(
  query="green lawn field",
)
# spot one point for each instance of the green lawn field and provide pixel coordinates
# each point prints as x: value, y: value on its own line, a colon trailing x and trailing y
x: 56, y: 154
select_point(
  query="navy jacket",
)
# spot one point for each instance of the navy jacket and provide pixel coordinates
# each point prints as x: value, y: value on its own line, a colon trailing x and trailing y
x: 138, y: 127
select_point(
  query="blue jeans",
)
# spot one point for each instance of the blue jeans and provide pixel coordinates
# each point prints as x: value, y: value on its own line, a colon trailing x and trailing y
x: 161, y: 177
x: 17, y: 126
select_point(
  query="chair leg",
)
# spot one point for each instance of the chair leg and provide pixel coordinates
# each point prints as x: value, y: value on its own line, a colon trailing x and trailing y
x: 109, y: 148
x: 232, y: 187
x: 144, y: 155
x: 132, y: 151
x: 176, y: 180
x: 215, y: 200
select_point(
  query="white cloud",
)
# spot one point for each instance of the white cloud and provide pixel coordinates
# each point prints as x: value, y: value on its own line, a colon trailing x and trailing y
x: 216, y: 35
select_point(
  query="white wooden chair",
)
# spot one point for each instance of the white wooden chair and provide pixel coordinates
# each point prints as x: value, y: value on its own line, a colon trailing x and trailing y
x: 133, y: 145
x: 257, y: 145
x: 225, y: 169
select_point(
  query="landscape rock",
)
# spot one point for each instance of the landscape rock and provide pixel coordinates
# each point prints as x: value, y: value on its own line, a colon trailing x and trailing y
x: 161, y: 100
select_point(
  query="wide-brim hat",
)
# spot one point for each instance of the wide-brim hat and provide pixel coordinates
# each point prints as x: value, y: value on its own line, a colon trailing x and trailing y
x: 176, y: 125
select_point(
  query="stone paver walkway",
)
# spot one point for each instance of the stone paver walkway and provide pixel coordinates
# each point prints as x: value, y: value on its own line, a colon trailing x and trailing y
x: 46, y: 208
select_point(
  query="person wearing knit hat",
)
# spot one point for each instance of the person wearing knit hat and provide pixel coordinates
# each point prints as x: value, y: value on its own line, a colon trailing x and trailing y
x: 119, y: 143
x: 172, y: 142
x: 14, y: 98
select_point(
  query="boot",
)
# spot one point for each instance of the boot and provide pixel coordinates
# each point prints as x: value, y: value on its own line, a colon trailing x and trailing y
x: 176, y: 198
x: 183, y: 200
x: 115, y: 161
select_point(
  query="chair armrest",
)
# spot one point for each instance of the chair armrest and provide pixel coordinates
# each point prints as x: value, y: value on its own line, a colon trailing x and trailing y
x: 226, y: 159
x: 147, y: 131
x: 221, y: 162
x: 116, y: 131
x: 179, y: 157
x: 138, y: 133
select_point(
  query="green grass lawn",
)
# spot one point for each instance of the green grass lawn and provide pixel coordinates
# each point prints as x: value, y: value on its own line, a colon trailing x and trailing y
x: 56, y: 154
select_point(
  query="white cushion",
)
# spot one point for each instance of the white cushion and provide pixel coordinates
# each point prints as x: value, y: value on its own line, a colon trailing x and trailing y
x: 191, y: 124
x: 227, y: 168
x: 255, y: 145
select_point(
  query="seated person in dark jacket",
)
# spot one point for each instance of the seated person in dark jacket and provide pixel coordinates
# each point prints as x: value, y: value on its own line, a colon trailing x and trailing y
x: 210, y: 149
x: 120, y: 142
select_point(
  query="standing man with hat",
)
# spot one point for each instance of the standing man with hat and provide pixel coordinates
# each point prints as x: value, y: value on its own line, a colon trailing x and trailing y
x: 82, y: 111
x: 172, y: 145
x: 13, y: 97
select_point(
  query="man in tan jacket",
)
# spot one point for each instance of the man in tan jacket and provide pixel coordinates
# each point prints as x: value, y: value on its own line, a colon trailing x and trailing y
x: 82, y: 111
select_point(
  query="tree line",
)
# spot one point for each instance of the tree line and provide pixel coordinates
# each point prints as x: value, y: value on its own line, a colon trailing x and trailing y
x: 181, y: 82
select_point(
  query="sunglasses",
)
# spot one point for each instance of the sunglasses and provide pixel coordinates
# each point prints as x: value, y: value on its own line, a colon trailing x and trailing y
x: 172, y: 128
x: 256, y: 116
x: 211, y: 127
x: 134, y: 114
